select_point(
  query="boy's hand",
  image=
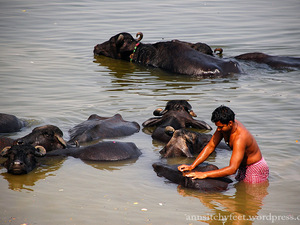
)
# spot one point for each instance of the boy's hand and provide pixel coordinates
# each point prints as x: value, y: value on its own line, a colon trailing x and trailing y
x: 195, y: 175
x: 183, y: 168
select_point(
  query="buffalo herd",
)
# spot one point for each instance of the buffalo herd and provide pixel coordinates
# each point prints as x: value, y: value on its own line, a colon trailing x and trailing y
x: 174, y: 126
x: 171, y: 126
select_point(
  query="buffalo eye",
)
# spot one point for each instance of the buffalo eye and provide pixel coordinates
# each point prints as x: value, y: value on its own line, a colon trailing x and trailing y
x: 46, y: 134
x: 20, y: 142
x: 29, y: 155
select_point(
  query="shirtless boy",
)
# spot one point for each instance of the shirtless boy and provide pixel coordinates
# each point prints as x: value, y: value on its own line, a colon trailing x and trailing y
x: 246, y: 156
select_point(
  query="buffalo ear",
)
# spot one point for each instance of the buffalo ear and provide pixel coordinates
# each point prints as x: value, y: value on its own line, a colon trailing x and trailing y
x: 151, y: 122
x: 191, y: 112
x: 40, y: 150
x: 4, y: 151
x: 120, y: 39
x: 199, y: 124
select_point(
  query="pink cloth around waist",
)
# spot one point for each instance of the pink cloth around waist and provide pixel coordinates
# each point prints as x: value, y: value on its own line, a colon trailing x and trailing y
x: 254, y: 173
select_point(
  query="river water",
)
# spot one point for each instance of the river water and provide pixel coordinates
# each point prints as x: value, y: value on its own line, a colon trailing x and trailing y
x: 48, y: 75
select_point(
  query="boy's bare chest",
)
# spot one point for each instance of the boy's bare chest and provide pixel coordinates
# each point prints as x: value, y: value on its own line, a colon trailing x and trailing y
x: 229, y: 139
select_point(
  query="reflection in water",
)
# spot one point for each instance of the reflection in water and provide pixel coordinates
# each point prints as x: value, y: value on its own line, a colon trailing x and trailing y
x: 240, y: 208
x: 116, y: 67
x: 128, y: 74
x: 21, y: 182
x: 110, y: 166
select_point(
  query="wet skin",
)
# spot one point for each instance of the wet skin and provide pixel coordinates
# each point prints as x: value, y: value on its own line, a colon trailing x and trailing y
x: 245, y: 150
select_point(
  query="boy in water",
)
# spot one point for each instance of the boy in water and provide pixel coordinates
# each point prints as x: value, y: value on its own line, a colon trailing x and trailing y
x: 246, y: 155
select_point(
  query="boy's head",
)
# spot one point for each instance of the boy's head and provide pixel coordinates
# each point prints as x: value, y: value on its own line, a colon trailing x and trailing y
x: 222, y: 114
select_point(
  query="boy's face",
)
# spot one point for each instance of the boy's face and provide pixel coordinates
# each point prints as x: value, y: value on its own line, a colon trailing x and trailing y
x: 221, y: 127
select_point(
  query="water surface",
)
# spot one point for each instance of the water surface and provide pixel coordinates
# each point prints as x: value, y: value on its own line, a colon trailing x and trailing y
x: 48, y: 75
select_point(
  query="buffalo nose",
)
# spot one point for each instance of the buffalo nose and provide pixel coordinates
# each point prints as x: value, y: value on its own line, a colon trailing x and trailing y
x: 17, y: 162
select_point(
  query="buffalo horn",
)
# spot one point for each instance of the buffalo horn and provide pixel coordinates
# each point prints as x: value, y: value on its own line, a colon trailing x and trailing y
x: 4, y: 150
x: 61, y: 140
x: 40, y: 150
x: 139, y: 35
x: 218, y: 51
x: 158, y: 112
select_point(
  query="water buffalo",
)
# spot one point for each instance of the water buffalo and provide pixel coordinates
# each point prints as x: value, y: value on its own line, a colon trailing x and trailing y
x: 97, y: 127
x: 276, y: 62
x: 48, y: 136
x: 102, y: 151
x: 208, y: 185
x: 173, y: 56
x: 186, y: 143
x: 178, y: 114
x: 21, y: 159
x: 10, y: 123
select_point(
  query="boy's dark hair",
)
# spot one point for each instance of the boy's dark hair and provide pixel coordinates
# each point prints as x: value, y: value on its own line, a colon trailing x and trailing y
x: 223, y: 114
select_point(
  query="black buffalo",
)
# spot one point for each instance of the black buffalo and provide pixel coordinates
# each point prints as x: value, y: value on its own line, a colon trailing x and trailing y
x: 173, y: 56
x: 171, y: 173
x: 10, y: 123
x: 97, y: 127
x: 178, y: 114
x: 186, y: 143
x: 276, y: 62
x: 102, y: 151
x: 48, y: 136
x: 21, y: 159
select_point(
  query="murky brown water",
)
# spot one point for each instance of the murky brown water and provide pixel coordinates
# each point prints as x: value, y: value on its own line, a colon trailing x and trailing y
x: 48, y: 75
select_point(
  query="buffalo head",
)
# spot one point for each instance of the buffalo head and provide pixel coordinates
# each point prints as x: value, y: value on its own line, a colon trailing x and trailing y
x: 21, y: 159
x: 178, y: 114
x: 120, y: 46
x: 48, y: 136
x: 184, y: 143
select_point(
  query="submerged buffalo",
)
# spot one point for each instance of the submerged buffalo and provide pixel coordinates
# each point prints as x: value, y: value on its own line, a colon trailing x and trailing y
x: 173, y: 56
x: 276, y: 62
x: 181, y: 57
x: 171, y: 173
x: 178, y: 114
x: 10, y: 123
x: 186, y: 143
x: 48, y: 136
x: 21, y: 159
x: 102, y: 151
x: 97, y: 127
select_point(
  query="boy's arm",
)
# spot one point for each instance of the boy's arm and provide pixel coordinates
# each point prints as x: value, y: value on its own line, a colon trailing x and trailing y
x: 204, y: 154
x: 237, y: 157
